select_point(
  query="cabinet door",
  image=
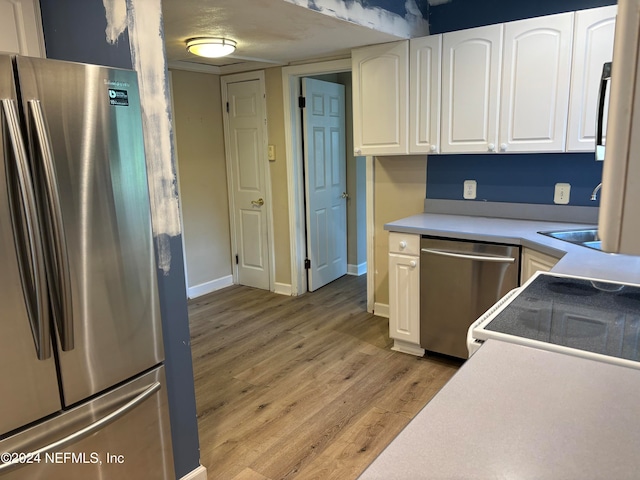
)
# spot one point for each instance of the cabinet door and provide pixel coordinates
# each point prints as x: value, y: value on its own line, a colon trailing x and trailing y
x: 592, y: 47
x: 536, y: 74
x: 381, y: 99
x: 424, y: 94
x: 404, y: 298
x: 533, y: 261
x: 21, y: 28
x: 470, y: 87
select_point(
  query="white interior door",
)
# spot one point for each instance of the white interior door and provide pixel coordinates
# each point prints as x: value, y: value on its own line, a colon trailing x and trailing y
x: 247, y: 152
x: 325, y: 180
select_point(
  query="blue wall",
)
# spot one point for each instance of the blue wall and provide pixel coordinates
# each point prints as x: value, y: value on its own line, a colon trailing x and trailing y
x: 518, y: 178
x: 461, y: 14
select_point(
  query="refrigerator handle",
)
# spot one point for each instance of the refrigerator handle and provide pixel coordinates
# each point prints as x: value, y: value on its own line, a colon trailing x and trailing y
x: 28, y: 237
x: 86, y: 431
x: 60, y: 280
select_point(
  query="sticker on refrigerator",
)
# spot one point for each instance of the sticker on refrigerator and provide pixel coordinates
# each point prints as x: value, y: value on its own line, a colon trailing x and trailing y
x: 118, y: 98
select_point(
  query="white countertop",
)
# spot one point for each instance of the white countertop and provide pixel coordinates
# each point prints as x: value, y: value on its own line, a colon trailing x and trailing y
x: 519, y: 412
x: 576, y: 259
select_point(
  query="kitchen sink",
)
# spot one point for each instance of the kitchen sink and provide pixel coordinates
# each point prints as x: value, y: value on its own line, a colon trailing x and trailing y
x: 585, y: 237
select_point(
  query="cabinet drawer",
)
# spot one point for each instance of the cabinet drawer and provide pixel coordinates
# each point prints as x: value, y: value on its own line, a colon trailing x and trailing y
x: 407, y: 243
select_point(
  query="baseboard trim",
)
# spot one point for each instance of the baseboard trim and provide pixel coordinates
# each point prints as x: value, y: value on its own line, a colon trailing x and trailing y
x: 282, y: 289
x: 199, y: 473
x: 357, y: 270
x: 407, y: 347
x: 381, y: 310
x: 208, y: 287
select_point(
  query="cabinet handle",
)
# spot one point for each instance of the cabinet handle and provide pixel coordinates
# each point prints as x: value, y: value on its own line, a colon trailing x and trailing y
x: 503, y: 147
x: 357, y: 151
x: 403, y: 244
x: 433, y: 148
x: 492, y: 147
x: 413, y: 264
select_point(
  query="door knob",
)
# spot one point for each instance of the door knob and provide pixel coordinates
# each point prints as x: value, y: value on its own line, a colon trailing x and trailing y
x: 344, y: 195
x: 413, y: 264
x: 258, y: 202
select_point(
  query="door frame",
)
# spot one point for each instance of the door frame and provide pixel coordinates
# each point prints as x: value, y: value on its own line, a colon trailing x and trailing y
x: 295, y: 180
x: 225, y: 80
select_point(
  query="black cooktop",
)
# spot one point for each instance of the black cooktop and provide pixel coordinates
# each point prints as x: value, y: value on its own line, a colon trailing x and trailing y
x: 596, y: 316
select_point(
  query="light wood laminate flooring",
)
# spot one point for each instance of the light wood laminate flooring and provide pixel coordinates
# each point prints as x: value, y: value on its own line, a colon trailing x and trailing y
x: 301, y: 387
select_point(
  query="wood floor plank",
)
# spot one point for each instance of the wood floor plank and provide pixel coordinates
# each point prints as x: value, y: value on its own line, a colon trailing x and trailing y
x: 248, y: 474
x: 357, y: 447
x: 301, y: 387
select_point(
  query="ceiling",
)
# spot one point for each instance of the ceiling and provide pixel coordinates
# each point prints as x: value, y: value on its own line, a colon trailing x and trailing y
x: 268, y: 32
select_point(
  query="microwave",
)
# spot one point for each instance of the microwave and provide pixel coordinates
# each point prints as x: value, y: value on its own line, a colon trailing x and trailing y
x: 619, y: 215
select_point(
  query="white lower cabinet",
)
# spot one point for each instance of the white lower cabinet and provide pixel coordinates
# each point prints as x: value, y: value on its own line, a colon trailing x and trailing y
x: 534, y: 261
x: 404, y: 293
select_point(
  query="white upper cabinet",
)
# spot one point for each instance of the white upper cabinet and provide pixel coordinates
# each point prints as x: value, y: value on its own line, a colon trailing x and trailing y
x: 592, y: 47
x: 21, y: 28
x: 381, y: 99
x: 424, y: 92
x: 536, y: 72
x: 470, y: 89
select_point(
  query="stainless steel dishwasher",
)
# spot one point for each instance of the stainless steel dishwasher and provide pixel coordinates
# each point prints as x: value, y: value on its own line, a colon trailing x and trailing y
x: 459, y: 281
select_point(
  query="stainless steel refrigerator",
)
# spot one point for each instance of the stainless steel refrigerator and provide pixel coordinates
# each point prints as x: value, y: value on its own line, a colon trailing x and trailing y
x: 83, y: 390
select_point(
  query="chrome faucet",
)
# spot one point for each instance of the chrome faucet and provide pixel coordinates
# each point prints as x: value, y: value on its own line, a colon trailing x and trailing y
x: 594, y: 194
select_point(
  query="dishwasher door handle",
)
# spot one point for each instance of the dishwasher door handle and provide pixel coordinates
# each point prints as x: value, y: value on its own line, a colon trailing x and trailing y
x: 476, y: 258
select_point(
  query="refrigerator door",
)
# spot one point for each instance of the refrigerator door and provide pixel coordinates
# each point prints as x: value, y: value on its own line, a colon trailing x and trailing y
x: 86, y: 144
x: 29, y: 387
x: 123, y: 434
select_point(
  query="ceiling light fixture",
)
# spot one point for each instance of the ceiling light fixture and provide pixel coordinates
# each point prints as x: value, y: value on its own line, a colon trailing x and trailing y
x: 211, y: 47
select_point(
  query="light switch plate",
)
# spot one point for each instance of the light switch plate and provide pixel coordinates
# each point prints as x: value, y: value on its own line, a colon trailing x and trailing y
x: 470, y: 189
x: 271, y: 153
x: 562, y: 193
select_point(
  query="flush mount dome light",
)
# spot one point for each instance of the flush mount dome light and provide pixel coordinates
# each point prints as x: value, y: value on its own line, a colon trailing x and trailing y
x: 211, y: 47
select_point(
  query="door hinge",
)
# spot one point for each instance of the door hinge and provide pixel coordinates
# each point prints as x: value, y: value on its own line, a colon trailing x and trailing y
x: 227, y: 107
x: 237, y: 260
x: 302, y: 102
x: 307, y: 264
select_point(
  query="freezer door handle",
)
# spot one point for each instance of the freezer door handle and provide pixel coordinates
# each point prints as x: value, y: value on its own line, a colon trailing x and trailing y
x: 86, y: 431
x: 60, y: 277
x: 27, y: 234
x: 475, y: 258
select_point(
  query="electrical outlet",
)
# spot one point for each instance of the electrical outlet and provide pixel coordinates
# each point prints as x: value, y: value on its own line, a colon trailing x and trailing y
x: 470, y: 189
x: 562, y: 193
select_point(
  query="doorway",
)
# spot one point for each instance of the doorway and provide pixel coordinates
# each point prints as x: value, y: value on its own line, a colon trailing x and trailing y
x: 362, y: 179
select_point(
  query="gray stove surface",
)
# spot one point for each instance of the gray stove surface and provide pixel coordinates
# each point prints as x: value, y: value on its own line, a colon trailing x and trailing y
x: 599, y: 317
